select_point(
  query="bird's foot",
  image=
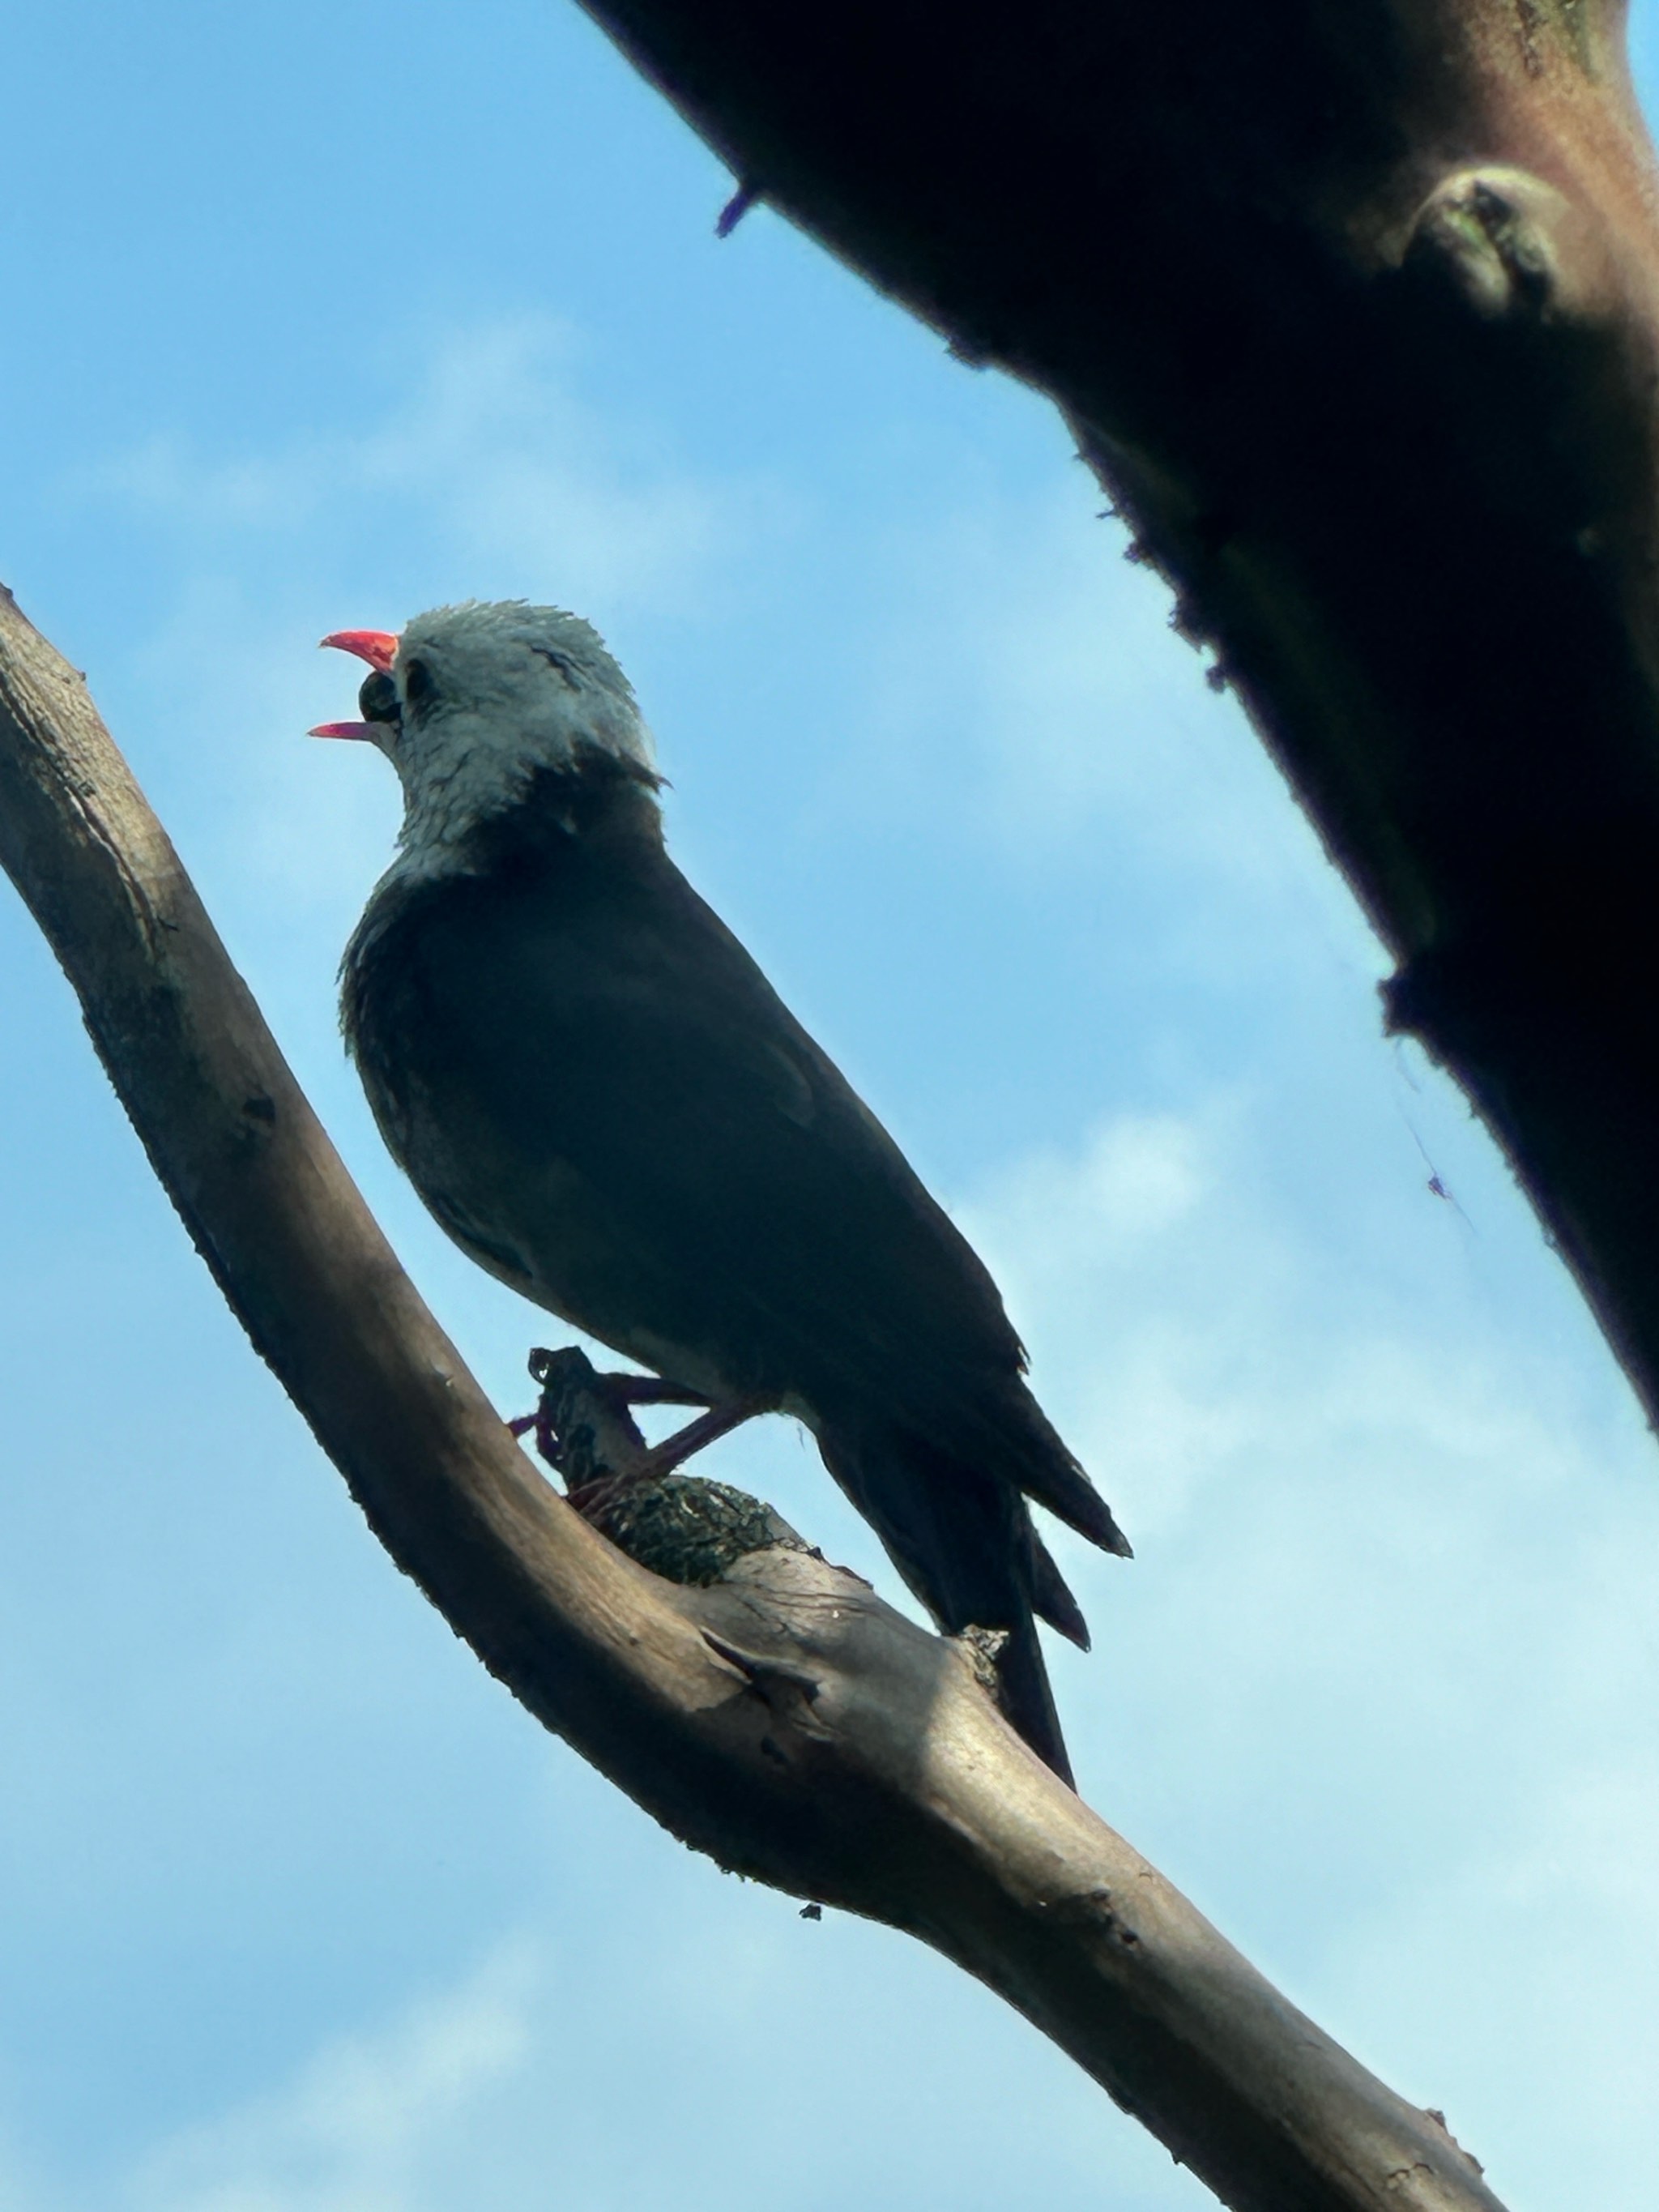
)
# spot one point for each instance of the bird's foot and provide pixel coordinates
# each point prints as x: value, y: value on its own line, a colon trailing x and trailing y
x: 595, y: 1499
x: 620, y: 1392
x: 572, y: 1389
x: 650, y: 1390
x: 718, y: 1421
x: 584, y: 1428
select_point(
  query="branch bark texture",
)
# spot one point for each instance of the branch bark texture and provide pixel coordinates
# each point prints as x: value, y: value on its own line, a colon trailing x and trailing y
x: 784, y: 1720
x: 1355, y: 310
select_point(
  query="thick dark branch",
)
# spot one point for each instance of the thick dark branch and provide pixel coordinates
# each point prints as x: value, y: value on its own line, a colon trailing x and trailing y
x: 784, y: 1720
x: 1355, y: 310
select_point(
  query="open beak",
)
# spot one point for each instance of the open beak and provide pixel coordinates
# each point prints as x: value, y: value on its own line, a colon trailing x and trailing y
x: 377, y: 647
x: 380, y: 649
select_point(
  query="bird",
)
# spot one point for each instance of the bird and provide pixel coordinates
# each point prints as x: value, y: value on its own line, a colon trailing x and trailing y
x: 597, y: 1094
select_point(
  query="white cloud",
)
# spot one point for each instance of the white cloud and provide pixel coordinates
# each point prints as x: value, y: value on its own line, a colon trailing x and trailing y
x: 368, y: 2119
x: 1136, y: 1178
x: 1037, y: 659
x: 1379, y: 1686
x: 490, y: 460
x: 535, y: 484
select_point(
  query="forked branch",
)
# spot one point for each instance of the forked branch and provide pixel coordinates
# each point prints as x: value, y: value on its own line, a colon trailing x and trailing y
x: 784, y: 1720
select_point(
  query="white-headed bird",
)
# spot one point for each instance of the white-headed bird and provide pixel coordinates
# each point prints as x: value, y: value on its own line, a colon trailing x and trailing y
x: 599, y: 1096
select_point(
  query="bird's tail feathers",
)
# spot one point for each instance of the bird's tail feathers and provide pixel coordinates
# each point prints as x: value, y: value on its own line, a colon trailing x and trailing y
x: 1027, y: 1698
x: 1051, y: 1597
x: 963, y: 1541
x: 1046, y: 1471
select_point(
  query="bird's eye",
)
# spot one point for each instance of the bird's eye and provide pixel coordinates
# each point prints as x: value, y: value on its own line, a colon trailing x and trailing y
x: 418, y: 684
x: 377, y: 700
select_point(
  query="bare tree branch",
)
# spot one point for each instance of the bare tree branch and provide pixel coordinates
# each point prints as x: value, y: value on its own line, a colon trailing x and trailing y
x: 1355, y: 310
x: 784, y: 1720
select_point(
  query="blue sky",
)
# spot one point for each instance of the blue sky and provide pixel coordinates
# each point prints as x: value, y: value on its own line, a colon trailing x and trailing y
x: 319, y: 317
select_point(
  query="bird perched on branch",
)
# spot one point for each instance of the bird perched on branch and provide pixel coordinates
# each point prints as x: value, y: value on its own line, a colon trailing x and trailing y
x: 599, y: 1095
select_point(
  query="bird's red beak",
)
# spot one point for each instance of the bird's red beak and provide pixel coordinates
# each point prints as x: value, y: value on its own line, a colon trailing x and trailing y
x: 377, y: 647
x: 380, y: 649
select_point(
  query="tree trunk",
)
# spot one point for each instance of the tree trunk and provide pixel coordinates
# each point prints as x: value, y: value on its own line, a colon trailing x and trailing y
x: 1353, y: 310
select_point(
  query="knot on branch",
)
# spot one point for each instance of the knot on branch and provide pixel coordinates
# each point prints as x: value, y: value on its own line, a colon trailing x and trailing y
x: 1515, y: 247
x: 789, y: 1691
x: 1094, y: 1912
x: 983, y: 1649
x: 1439, y: 2119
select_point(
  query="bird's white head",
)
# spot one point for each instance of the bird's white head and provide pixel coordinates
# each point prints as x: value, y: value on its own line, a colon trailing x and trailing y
x: 470, y: 702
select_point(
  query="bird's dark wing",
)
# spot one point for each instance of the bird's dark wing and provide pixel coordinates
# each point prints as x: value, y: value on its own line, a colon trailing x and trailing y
x: 582, y: 1068
x: 602, y: 1027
